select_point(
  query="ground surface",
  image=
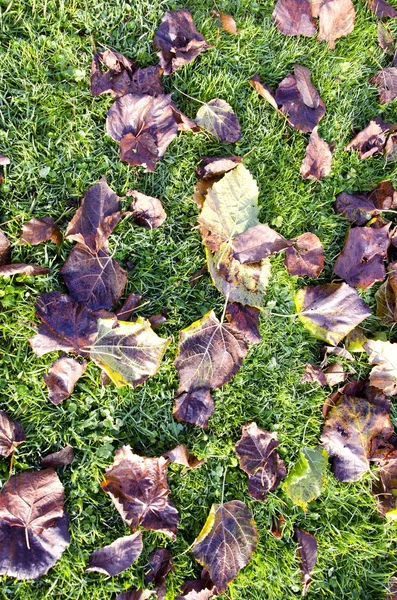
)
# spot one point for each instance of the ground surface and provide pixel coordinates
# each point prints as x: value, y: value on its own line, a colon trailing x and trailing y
x: 53, y: 131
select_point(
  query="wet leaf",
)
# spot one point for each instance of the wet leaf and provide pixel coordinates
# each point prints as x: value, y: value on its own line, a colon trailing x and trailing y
x: 160, y: 563
x: 36, y: 231
x: 33, y: 524
x: 226, y: 542
x: 177, y: 40
x: 5, y: 249
x: 318, y: 159
x: 258, y: 242
x: 117, y: 556
x: 62, y: 377
x: 371, y: 139
x: 12, y: 434
x: 305, y: 480
x: 330, y: 311
x: 213, y: 166
x: 294, y: 17
x: 147, y: 211
x: 22, y: 269
x: 307, y: 552
x: 194, y: 407
x: 62, y: 458
x: 217, y: 117
x: 257, y: 457
x: 66, y: 325
x: 300, y: 115
x: 384, y: 374
x: 129, y: 352
x: 385, y: 81
x: 361, y: 262
x: 96, y: 218
x: 117, y: 79
x: 306, y: 257
x: 244, y: 319
x: 263, y: 90
x: 382, y: 9
x: 139, y: 489
x: 385, y: 489
x: 336, y: 19
x: 180, y: 455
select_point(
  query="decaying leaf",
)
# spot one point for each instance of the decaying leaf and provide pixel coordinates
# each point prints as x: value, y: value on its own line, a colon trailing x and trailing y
x: 62, y: 458
x: 305, y: 480
x: 160, y: 563
x: 33, y: 524
x: 227, y: 22
x: 307, y: 552
x: 177, y: 40
x: 146, y: 210
x: 294, y: 17
x: 96, y: 218
x: 244, y: 319
x: 310, y: 95
x: 139, y: 489
x: 213, y: 166
x: 147, y: 80
x: 194, y: 407
x: 313, y: 374
x: 359, y: 207
x: 12, y: 434
x: 385, y: 489
x: 384, y: 374
x: 117, y: 556
x: 36, y: 231
x: 385, y: 39
x: 66, y: 325
x: 134, y: 594
x: 180, y: 455
x: 305, y: 257
x: 217, y: 117
x: 199, y: 589
x: 354, y: 428
x: 371, y: 139
x: 386, y: 299
x: 263, y: 90
x: 258, y: 458
x: 258, y: 242
x: 385, y: 81
x: 330, y: 311
x: 361, y: 261
x: 382, y: 9
x: 5, y: 249
x: 117, y: 79
x: 22, y: 269
x: 130, y: 352
x: 62, y: 377
x: 226, y: 542
x: 301, y: 116
x: 318, y: 159
x: 335, y: 374
x: 336, y: 19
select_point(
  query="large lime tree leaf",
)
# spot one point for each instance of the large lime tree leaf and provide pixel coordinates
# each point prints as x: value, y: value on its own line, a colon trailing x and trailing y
x: 33, y: 524
x: 128, y: 352
x: 384, y: 374
x: 305, y: 480
x: 226, y: 542
x: 330, y: 311
x: 218, y: 118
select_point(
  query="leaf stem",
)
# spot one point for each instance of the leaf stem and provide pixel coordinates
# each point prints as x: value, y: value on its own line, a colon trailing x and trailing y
x: 187, y: 96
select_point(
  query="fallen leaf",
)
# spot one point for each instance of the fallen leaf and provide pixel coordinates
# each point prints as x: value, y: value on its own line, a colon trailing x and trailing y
x: 294, y: 17
x: 335, y: 351
x: 33, y: 524
x: 62, y: 377
x: 160, y: 563
x: 391, y: 148
x: 258, y: 242
x: 384, y: 374
x: 66, y: 325
x: 257, y: 457
x: 199, y: 589
x: 306, y: 257
x: 147, y: 81
x: 147, y: 211
x: 371, y: 139
x: 213, y: 166
x: 130, y: 304
x: 263, y: 90
x: 385, y: 489
x: 300, y: 115
x: 22, y: 269
x: 385, y: 39
x: 227, y: 22
x: 117, y: 79
x: 217, y: 117
x: 183, y: 122
x: 382, y: 9
x: 305, y: 480
x: 318, y: 159
x: 5, y: 249
x: 194, y: 407
x: 245, y: 320
x: 359, y: 207
x: 177, y: 40
x: 330, y: 311
x: 134, y: 594
x: 96, y: 218
x: 36, y: 231
x: 12, y: 434
x: 385, y: 81
x: 361, y: 262
x: 386, y: 301
x: 336, y: 19
x: 307, y: 552
x: 308, y: 92
x: 335, y: 374
x: 62, y: 458
x: 117, y: 556
x: 180, y: 455
x: 313, y: 374
x: 128, y: 352
x: 139, y: 489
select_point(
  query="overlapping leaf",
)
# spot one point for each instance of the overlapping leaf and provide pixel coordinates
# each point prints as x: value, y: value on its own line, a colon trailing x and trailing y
x: 63, y: 457
x: 160, y: 563
x: 303, y: 113
x: 36, y: 231
x: 336, y: 19
x: 359, y: 207
x: 385, y: 489
x: 305, y: 256
x: 258, y: 242
x: 294, y: 17
x: 371, y: 139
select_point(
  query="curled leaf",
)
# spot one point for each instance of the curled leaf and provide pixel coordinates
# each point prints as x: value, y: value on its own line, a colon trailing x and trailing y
x: 385, y: 81
x: 263, y: 90
x: 22, y: 269
x: 301, y: 116
x: 5, y: 249
x: 384, y: 374
x: 62, y: 377
x: 307, y: 552
x: 336, y: 19
x: 117, y: 79
x: 213, y: 166
x: 147, y: 211
x: 160, y: 563
x: 382, y: 9
x: 371, y: 139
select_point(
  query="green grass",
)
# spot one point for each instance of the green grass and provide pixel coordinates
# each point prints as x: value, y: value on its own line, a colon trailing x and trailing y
x: 53, y: 131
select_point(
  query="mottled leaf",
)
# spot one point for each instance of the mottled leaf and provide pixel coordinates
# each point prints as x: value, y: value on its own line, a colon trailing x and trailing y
x: 300, y: 115
x: 217, y: 117
x: 263, y: 90
x: 129, y: 352
x: 5, y: 249
x: 385, y: 81
x: 117, y: 556
x: 382, y: 9
x: 194, y: 407
x: 199, y: 589
x: 306, y: 257
x: 12, y: 434
x: 294, y: 17
x: 63, y: 457
x: 33, y: 524
x: 139, y: 489
x: 318, y: 159
x: 336, y: 19
x: 305, y: 480
x: 62, y: 377
x: 307, y: 552
x: 147, y: 211
x: 22, y: 269
x: 386, y: 299
x: 258, y: 242
x: 160, y: 563
x: 213, y: 166
x: 36, y: 231
x: 371, y: 139
x: 244, y: 319
x: 335, y: 374
x: 384, y: 374
x: 147, y: 80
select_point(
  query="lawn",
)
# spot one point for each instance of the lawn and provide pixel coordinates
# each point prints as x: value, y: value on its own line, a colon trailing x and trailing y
x: 52, y: 129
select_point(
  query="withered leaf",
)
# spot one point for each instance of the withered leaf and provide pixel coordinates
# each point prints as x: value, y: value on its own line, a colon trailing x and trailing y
x: 66, y: 325
x: 354, y: 428
x: 117, y: 79
x: 258, y: 242
x: 307, y: 552
x: 5, y: 249
x: 33, y: 524
x: 336, y: 19
x: 263, y: 90
x: 129, y: 305
x: 386, y: 300
x: 177, y: 40
x: 359, y: 207
x: 227, y: 22
x: 335, y: 374
x: 180, y: 455
x: 199, y: 589
x: 305, y: 257
x: 194, y: 407
x: 361, y: 261
x: 147, y: 80
x: 62, y: 377
x: 305, y: 480
x: 36, y: 231
x: 330, y: 311
x: 147, y: 211
x: 117, y: 556
x: 244, y: 319
x: 382, y: 9
x: 63, y: 457
x: 226, y: 542
x: 300, y: 115
x: 139, y: 489
x: 385, y: 81
x: 385, y: 489
x: 318, y: 159
x: 160, y: 563
x: 384, y: 374
x: 96, y: 218
x: 134, y: 594
x: 12, y: 434
x: 93, y: 278
x: 139, y: 150
x: 22, y: 269
x: 371, y: 139
x: 310, y: 95
x: 212, y: 166
x: 217, y: 117
x: 313, y: 374
x: 184, y: 122
x: 294, y: 17
x: 385, y: 39
x: 257, y: 457
x: 391, y: 148
x: 129, y: 352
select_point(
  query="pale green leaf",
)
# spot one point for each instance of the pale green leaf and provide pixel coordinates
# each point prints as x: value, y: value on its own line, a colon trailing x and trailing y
x: 305, y: 480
